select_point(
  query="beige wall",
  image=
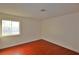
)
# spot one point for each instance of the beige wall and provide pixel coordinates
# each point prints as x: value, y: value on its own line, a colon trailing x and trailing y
x: 0, y: 28
x: 30, y: 29
x: 63, y: 30
x: 0, y: 32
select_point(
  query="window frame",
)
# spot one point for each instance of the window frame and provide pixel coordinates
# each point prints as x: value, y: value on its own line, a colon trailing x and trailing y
x: 11, y: 28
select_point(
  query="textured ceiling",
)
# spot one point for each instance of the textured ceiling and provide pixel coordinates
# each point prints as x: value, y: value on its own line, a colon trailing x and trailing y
x: 33, y: 9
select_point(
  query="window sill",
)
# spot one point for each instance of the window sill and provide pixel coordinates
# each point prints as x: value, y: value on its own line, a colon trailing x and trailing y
x: 10, y: 35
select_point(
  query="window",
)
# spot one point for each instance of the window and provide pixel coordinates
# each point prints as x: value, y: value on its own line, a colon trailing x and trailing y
x: 10, y: 28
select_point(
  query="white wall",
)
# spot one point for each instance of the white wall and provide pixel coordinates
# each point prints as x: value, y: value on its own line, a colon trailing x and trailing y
x: 62, y: 30
x: 30, y: 30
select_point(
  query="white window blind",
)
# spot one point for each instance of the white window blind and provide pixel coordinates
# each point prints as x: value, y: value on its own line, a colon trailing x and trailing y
x: 10, y: 28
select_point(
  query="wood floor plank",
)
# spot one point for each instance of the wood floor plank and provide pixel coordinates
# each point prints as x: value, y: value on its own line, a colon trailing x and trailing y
x: 38, y: 47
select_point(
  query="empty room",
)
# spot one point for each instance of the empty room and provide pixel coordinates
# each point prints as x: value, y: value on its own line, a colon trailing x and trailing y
x: 39, y: 29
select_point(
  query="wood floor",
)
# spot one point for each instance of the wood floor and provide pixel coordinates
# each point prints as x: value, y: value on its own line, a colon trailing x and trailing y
x: 38, y: 47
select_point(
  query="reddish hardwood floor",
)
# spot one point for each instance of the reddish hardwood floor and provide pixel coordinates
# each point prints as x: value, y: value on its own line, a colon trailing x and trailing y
x: 38, y: 47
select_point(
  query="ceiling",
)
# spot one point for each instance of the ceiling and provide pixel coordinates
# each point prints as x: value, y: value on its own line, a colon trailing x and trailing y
x: 32, y: 10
